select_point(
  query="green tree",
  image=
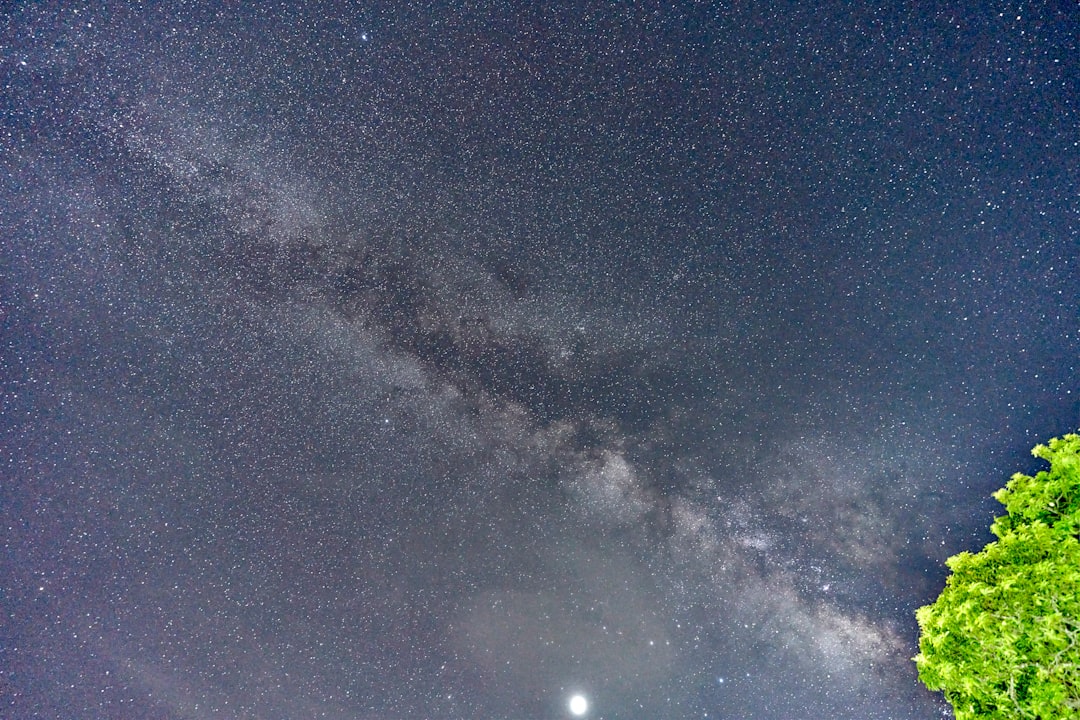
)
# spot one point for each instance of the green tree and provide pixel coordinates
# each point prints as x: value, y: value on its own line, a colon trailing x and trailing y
x: 1003, y: 638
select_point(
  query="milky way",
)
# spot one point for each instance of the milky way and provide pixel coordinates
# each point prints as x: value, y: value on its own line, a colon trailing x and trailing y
x: 421, y: 361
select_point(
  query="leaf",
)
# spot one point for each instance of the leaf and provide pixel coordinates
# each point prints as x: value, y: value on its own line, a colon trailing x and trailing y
x: 1003, y: 638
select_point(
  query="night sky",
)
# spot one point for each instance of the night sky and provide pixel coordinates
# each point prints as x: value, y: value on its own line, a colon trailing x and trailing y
x: 373, y: 361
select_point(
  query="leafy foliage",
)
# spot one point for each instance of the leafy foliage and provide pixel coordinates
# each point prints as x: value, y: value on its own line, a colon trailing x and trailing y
x: 1003, y: 638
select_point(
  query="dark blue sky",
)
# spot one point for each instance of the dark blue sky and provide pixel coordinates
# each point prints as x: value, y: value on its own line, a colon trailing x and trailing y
x: 398, y: 360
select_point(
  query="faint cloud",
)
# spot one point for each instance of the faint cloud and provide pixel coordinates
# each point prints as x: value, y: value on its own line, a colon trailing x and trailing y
x: 609, y: 487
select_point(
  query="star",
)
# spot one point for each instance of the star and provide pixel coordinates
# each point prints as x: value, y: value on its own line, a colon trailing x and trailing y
x: 579, y: 705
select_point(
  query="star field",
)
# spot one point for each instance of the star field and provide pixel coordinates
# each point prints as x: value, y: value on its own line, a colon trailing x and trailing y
x: 404, y: 360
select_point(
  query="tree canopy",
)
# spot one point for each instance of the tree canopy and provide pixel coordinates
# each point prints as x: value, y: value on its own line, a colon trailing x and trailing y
x: 1003, y: 638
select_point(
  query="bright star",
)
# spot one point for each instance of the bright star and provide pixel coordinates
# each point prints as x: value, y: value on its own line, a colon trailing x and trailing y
x: 579, y: 705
